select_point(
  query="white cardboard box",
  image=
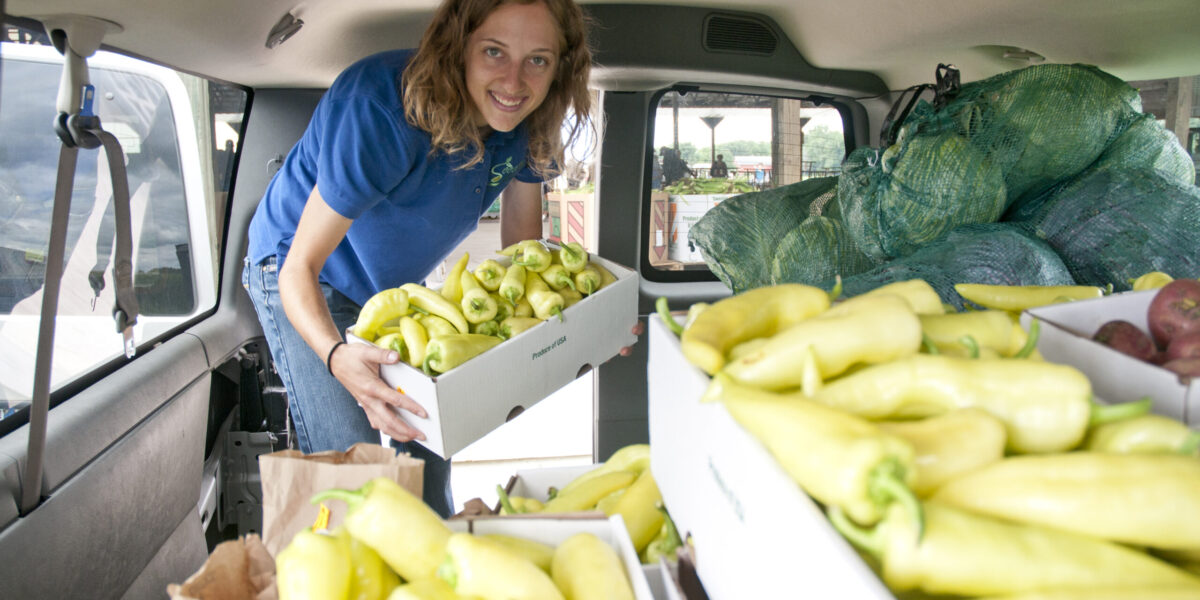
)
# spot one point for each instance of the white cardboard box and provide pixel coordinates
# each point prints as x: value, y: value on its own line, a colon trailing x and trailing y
x: 536, y: 483
x: 755, y: 533
x: 555, y: 530
x: 469, y: 401
x: 1066, y: 337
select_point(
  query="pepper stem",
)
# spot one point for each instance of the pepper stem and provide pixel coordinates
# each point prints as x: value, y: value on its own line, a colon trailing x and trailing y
x: 1111, y: 413
x: 836, y: 292
x: 927, y: 343
x: 448, y: 572
x: 1035, y: 331
x: 352, y: 498
x: 1190, y: 444
x: 971, y: 344
x: 664, y: 313
x: 505, y: 502
x: 870, y: 540
x: 886, y: 483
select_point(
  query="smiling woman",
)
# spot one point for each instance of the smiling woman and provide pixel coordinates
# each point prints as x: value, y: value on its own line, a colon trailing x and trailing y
x: 386, y: 171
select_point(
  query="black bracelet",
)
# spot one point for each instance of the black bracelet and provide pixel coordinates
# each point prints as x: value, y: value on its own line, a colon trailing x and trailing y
x: 329, y: 357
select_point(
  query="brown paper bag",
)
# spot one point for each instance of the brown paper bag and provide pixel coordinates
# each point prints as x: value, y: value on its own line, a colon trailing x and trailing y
x: 291, y: 478
x: 239, y: 569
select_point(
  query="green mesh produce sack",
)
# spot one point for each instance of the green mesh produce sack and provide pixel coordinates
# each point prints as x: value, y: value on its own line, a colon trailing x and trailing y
x: 1111, y: 225
x: 923, y: 186
x: 992, y: 253
x: 996, y: 142
x: 789, y: 234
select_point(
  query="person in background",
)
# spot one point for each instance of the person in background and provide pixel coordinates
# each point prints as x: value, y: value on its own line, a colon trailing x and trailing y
x: 656, y: 173
x: 403, y: 155
x: 674, y: 167
x: 719, y: 168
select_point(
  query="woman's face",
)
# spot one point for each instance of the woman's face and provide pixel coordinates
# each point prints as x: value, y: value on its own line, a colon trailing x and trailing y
x: 511, y: 61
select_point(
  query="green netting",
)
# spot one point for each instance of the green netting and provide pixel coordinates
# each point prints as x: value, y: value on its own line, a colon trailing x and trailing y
x: 999, y: 140
x: 993, y: 253
x: 926, y: 187
x: 1110, y: 225
x: 789, y: 234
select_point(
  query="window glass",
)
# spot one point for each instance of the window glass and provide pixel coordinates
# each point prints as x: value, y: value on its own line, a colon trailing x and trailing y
x: 178, y: 134
x: 1175, y: 103
x: 709, y: 146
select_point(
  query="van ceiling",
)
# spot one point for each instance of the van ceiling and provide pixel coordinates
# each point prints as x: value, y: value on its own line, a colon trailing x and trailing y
x: 900, y: 41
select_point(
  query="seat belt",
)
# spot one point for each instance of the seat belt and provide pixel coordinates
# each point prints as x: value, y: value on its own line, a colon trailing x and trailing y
x: 78, y: 127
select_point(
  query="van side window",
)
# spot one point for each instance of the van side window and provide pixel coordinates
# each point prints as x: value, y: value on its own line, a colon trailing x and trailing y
x: 709, y: 146
x: 178, y: 134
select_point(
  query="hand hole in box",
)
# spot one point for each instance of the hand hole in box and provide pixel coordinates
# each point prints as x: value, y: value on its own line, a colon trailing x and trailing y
x: 512, y: 414
x: 584, y: 369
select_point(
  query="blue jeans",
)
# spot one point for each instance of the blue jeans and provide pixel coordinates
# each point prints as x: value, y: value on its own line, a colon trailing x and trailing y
x: 325, y: 415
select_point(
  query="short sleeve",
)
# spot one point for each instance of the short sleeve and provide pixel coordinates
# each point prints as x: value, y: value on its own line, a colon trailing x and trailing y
x: 363, y: 154
x: 528, y: 175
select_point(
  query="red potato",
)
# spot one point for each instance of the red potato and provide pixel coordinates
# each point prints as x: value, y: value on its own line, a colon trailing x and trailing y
x: 1125, y: 337
x: 1184, y: 345
x: 1175, y: 310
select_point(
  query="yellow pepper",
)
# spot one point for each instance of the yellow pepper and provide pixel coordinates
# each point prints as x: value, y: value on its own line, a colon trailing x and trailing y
x: 760, y: 312
x: 989, y: 329
x: 1138, y: 592
x: 504, y: 309
x: 632, y: 457
x: 837, y: 458
x: 383, y: 307
x: 514, y: 326
x: 523, y: 308
x: 919, y: 294
x: 370, y: 577
x: 490, y: 273
x: 491, y: 328
x: 435, y: 325
x: 570, y: 297
x: 587, y: 280
x: 477, y: 306
x: 638, y: 507
x: 587, y: 494
x: 406, y: 533
x: 415, y: 340
x: 434, y: 304
x: 962, y: 553
x: 536, y: 552
x: 546, y: 302
x: 1045, y: 407
x: 427, y: 589
x: 1017, y: 298
x: 313, y: 565
x: 866, y: 329
x: 572, y: 256
x: 391, y: 341
x: 451, y: 289
x: 1144, y: 434
x: 586, y: 568
x: 530, y: 254
x: 1151, y: 281
x: 606, y: 277
x: 512, y: 287
x: 1139, y: 499
x: 557, y: 277
x: 477, y: 566
x: 445, y: 352
x: 949, y: 445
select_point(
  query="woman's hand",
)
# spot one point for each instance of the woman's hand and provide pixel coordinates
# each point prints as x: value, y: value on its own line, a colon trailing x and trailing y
x: 356, y: 366
x: 638, y: 329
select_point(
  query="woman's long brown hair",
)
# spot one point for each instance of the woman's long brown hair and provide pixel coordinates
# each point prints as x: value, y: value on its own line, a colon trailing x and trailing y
x: 435, y: 91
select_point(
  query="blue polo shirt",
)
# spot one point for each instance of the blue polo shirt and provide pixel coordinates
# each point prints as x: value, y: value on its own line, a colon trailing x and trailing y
x: 410, y: 209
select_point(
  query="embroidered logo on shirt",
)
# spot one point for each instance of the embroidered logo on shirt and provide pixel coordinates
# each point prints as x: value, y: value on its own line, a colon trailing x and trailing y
x: 501, y: 171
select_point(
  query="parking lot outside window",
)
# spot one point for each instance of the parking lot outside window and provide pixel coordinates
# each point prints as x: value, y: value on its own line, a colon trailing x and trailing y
x: 179, y: 134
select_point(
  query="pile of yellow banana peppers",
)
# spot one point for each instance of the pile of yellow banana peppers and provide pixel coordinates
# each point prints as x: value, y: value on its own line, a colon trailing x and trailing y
x: 392, y: 546
x: 475, y: 310
x: 944, y: 447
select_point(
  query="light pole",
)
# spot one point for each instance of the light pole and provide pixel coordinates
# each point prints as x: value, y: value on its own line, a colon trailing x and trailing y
x: 712, y: 121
